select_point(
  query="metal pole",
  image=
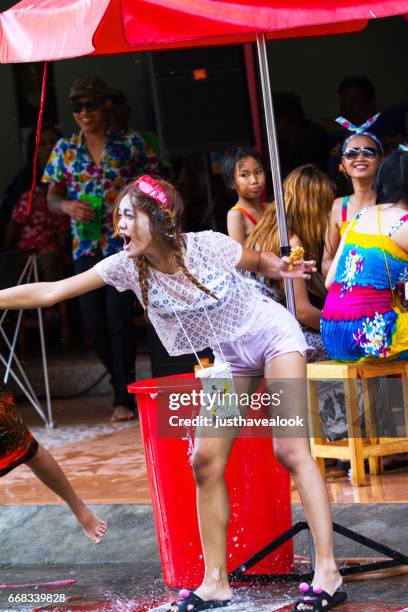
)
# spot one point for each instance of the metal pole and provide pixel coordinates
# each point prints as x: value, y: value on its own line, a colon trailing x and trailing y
x: 277, y: 185
x: 50, y: 422
x: 275, y: 165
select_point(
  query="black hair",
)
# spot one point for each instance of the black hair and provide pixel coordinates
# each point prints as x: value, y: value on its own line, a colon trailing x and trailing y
x: 230, y: 160
x: 392, y: 178
x: 361, y: 82
x: 288, y: 104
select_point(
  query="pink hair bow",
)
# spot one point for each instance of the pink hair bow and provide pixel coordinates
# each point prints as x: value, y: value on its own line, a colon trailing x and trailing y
x: 152, y: 189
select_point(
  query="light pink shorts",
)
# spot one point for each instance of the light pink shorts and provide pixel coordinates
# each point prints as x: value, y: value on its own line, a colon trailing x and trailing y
x: 274, y: 332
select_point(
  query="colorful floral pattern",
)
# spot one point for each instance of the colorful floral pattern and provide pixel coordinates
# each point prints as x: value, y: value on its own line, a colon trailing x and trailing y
x: 72, y: 168
x: 403, y: 277
x: 395, y: 226
x: 41, y: 230
x: 354, y: 264
x: 360, y: 320
x: 372, y: 337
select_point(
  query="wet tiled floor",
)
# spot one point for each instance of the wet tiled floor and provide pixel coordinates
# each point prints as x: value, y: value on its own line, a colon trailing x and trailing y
x: 124, y: 587
x: 105, y: 462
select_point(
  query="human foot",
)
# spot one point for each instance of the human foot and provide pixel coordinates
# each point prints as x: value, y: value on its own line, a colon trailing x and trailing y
x: 122, y: 413
x: 93, y: 526
x: 203, y: 598
x: 324, y: 582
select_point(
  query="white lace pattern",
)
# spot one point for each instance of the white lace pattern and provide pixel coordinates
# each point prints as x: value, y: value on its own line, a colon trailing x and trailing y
x: 212, y: 258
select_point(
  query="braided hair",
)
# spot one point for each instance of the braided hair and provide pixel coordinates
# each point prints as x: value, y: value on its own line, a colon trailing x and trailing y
x: 165, y: 224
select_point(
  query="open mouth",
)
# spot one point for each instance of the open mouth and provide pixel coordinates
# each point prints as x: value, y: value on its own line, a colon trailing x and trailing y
x: 126, y: 241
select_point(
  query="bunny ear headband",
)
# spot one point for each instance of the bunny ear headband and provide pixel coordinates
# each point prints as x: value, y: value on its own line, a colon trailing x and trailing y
x: 362, y: 129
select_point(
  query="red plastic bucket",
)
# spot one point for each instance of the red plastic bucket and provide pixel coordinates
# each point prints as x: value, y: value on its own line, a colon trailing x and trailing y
x: 259, y: 489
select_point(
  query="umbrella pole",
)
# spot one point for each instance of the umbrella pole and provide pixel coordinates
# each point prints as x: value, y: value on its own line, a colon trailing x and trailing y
x: 277, y: 184
x: 275, y: 165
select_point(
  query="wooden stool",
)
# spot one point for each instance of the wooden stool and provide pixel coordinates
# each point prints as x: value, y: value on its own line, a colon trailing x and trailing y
x: 355, y: 449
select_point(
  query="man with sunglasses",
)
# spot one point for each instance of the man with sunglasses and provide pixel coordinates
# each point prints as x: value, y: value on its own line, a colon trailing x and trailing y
x: 85, y: 171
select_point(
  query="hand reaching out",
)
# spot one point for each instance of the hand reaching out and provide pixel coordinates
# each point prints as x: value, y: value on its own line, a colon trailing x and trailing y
x: 296, y: 269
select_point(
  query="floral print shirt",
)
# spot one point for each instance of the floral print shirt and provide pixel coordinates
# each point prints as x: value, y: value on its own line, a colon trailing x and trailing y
x: 41, y: 230
x: 72, y: 168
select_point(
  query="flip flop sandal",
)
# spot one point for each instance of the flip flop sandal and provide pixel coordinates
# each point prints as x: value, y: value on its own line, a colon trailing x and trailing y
x: 188, y: 598
x: 315, y: 595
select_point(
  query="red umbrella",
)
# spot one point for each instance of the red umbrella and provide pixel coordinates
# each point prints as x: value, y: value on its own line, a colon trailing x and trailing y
x: 57, y: 29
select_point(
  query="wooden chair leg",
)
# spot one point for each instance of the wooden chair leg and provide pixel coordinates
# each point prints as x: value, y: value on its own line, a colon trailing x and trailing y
x: 404, y: 384
x: 355, y: 441
x: 315, y: 424
x: 370, y: 422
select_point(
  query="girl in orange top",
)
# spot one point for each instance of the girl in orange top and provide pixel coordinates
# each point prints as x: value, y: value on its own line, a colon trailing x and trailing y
x: 361, y: 156
x: 243, y: 172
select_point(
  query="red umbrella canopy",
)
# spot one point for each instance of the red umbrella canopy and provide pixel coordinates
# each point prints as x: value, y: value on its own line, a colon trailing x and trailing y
x: 57, y: 29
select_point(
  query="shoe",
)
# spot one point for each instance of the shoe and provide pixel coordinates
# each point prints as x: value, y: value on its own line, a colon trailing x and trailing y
x: 315, y: 596
x: 188, y: 598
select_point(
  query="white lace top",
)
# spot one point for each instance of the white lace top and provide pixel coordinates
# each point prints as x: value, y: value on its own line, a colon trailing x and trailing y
x: 212, y: 258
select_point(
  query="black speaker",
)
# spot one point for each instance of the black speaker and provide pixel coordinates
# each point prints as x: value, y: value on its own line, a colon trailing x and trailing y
x: 201, y: 99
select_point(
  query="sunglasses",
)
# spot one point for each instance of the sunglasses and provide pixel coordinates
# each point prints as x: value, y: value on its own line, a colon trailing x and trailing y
x: 77, y: 107
x: 354, y: 152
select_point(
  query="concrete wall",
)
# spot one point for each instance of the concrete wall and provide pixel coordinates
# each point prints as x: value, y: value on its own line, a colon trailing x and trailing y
x: 311, y: 68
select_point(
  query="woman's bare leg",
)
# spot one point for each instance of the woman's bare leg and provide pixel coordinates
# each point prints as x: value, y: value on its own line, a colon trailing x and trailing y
x: 44, y: 466
x: 294, y: 453
x: 209, y: 460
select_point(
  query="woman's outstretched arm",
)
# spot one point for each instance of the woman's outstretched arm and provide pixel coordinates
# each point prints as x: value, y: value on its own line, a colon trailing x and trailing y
x: 41, y: 295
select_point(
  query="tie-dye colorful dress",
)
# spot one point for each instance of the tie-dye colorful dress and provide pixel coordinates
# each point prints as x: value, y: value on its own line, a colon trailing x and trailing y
x: 359, y: 320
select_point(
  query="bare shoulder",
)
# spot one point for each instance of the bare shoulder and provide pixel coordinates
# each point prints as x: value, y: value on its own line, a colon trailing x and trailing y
x: 335, y: 215
x: 235, y: 215
x: 235, y: 221
x: 337, y: 205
